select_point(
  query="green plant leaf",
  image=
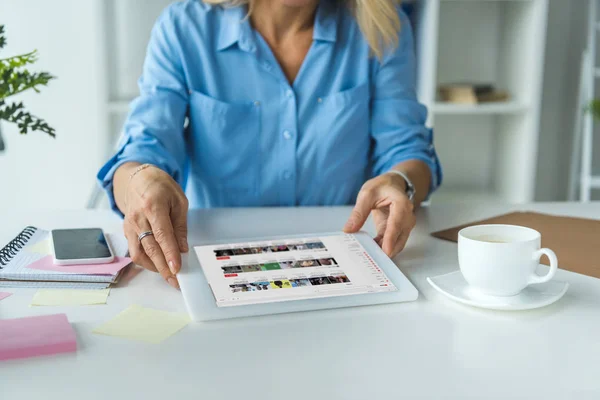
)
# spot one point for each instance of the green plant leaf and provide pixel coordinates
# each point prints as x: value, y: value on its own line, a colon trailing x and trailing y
x: 14, y: 81
x: 19, y: 61
x: 15, y: 78
x: 2, y: 37
x: 594, y: 108
x: 15, y: 113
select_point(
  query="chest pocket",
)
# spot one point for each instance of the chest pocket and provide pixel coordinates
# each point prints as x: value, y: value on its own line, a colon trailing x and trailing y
x: 345, y: 114
x: 225, y: 137
x: 344, y: 131
x: 356, y: 97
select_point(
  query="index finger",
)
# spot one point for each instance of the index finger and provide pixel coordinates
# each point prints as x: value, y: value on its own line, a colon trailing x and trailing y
x: 152, y: 249
x: 162, y: 229
x: 393, y: 229
x: 179, y: 221
x: 361, y: 211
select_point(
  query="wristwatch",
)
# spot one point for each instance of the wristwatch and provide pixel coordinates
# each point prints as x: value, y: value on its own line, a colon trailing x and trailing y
x: 410, y: 188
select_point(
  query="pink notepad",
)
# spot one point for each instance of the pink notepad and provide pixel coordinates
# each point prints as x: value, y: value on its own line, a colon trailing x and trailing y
x: 4, y: 295
x: 36, y: 336
x: 47, y: 264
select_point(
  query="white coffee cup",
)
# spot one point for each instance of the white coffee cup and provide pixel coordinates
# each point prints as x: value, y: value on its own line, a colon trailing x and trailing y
x: 500, y: 260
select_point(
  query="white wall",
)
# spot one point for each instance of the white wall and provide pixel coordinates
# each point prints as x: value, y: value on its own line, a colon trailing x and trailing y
x: 131, y: 22
x: 37, y: 171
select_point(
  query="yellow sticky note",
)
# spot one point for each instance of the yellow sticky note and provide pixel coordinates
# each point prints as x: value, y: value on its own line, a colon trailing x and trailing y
x: 69, y: 297
x: 41, y: 247
x: 145, y: 324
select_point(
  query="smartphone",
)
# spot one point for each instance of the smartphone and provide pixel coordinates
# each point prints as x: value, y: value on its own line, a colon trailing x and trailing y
x: 81, y: 246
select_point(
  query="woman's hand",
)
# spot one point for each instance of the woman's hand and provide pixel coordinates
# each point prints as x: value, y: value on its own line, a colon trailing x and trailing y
x: 153, y: 201
x: 393, y: 214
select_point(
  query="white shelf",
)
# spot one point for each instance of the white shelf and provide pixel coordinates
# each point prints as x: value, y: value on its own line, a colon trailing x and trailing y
x: 500, y: 42
x: 595, y: 182
x: 509, y: 107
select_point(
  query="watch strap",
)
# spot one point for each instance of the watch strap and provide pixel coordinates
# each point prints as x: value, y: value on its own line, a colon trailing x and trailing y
x: 410, y: 188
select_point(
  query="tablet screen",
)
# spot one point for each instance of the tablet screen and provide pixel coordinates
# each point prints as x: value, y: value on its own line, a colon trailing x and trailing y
x: 294, y: 269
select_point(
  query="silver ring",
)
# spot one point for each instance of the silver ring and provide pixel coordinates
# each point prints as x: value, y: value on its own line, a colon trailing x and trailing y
x: 144, y: 234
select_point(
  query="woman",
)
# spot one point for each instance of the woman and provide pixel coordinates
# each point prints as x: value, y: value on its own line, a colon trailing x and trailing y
x: 290, y: 103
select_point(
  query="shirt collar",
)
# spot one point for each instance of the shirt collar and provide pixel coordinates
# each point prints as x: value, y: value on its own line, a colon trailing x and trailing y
x: 235, y: 26
x: 326, y: 21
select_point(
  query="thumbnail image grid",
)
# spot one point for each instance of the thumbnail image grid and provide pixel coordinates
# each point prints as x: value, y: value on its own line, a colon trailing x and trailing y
x: 277, y: 265
x: 288, y: 283
x: 277, y: 248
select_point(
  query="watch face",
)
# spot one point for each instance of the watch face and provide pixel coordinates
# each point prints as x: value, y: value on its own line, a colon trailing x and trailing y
x: 410, y: 190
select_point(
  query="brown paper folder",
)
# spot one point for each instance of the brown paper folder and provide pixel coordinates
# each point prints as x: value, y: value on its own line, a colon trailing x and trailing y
x: 575, y: 241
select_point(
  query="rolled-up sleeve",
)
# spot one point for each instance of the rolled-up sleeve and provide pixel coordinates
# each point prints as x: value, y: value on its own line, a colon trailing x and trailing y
x: 154, y: 130
x: 398, y: 120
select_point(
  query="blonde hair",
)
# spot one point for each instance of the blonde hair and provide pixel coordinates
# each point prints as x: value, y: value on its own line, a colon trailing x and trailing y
x: 378, y: 20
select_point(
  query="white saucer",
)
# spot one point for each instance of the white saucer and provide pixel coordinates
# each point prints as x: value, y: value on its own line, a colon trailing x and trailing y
x: 454, y: 286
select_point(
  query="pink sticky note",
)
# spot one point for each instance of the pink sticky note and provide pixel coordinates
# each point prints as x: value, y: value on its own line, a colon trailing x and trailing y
x: 36, y: 336
x: 4, y: 295
x: 47, y: 264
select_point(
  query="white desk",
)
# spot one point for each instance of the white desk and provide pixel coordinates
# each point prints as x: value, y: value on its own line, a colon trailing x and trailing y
x: 430, y: 349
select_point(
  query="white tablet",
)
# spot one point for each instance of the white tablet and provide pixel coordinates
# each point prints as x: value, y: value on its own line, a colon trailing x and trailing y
x: 288, y: 274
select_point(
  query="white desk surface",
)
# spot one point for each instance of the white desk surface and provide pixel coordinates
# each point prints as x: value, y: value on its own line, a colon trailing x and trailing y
x: 429, y: 349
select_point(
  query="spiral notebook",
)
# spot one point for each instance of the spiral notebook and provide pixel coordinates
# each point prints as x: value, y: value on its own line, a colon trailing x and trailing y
x: 15, y: 257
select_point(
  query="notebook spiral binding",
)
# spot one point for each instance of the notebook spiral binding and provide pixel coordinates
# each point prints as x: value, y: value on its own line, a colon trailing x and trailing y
x: 14, y: 246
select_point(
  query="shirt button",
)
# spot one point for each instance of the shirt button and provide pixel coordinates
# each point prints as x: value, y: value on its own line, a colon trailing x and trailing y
x: 287, y: 135
x: 289, y: 93
x: 287, y: 175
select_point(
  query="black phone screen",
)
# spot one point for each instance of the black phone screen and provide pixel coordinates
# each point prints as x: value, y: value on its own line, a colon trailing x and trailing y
x: 76, y: 244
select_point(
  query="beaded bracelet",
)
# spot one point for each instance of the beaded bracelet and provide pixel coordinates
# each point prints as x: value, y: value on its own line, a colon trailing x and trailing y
x: 138, y: 169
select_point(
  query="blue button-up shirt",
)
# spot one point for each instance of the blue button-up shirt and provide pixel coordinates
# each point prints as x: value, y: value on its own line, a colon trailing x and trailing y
x: 217, y: 113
